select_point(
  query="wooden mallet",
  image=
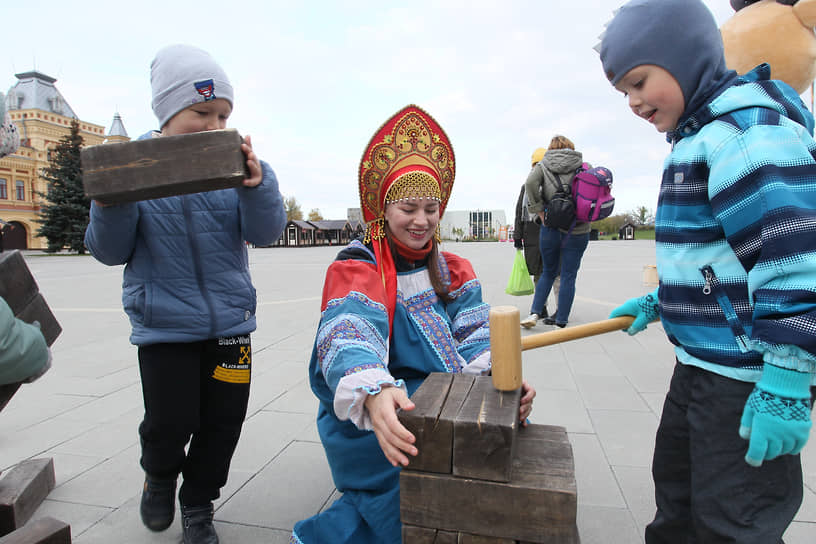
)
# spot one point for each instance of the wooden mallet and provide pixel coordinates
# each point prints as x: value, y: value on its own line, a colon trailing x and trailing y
x: 506, y: 343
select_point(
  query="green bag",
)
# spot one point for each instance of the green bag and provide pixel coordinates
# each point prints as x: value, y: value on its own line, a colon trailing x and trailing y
x: 520, y: 282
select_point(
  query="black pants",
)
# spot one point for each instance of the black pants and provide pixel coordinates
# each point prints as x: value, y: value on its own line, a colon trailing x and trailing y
x: 196, y: 393
x: 705, y: 491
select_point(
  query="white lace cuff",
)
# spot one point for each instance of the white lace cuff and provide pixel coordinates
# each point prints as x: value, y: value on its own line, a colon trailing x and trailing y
x: 352, y: 390
x: 479, y: 366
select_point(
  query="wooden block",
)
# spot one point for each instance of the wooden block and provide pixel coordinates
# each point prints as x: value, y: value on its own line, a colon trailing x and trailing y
x: 22, y: 489
x: 437, y: 401
x: 17, y: 285
x: 484, y: 433
x: 422, y: 535
x: 41, y: 531
x: 38, y: 310
x: 6, y: 392
x: 539, y: 504
x: 412, y: 534
x: 165, y: 166
x: 467, y: 538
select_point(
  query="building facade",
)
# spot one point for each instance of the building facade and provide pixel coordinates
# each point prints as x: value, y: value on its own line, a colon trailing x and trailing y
x: 43, y: 117
x: 473, y: 225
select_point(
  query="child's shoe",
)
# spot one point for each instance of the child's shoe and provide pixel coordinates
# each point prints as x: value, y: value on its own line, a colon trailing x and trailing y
x: 158, y: 505
x: 529, y: 321
x: 197, y: 524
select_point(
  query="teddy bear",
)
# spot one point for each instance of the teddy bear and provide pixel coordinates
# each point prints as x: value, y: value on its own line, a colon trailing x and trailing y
x: 779, y: 32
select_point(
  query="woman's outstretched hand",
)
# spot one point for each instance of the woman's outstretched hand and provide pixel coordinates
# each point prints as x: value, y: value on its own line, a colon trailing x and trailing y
x: 395, y: 440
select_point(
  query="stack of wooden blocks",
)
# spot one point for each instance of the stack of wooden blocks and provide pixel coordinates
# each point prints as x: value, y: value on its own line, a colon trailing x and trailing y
x: 25, y: 485
x: 478, y: 478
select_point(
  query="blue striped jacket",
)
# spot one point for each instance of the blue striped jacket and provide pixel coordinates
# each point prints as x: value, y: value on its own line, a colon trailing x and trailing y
x: 735, y: 232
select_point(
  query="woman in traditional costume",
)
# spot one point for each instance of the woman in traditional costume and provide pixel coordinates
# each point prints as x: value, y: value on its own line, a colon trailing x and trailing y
x: 394, y: 309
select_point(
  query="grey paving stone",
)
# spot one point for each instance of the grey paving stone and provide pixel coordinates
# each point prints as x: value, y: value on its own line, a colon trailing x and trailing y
x: 638, y: 491
x: 111, y: 483
x: 593, y: 475
x: 655, y: 402
x: 548, y: 370
x: 33, y: 441
x: 265, y: 435
x: 104, y: 440
x: 68, y: 466
x: 605, y: 525
x: 609, y: 393
x: 293, y: 486
x: 563, y: 408
x: 627, y: 437
x: 645, y: 376
x: 124, y: 526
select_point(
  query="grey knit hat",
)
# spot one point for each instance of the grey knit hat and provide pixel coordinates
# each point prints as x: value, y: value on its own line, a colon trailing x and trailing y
x: 680, y: 36
x: 183, y: 75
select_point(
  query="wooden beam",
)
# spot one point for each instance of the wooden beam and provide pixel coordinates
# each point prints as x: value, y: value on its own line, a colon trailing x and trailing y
x: 159, y: 167
x: 484, y: 433
x: 45, y: 530
x: 22, y: 490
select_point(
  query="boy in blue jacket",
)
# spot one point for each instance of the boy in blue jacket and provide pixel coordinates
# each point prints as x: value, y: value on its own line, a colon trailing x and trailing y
x: 735, y: 234
x: 189, y: 296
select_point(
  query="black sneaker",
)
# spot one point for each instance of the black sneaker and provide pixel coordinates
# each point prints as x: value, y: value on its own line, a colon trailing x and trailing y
x: 197, y: 524
x: 561, y: 325
x: 549, y: 320
x: 158, y: 507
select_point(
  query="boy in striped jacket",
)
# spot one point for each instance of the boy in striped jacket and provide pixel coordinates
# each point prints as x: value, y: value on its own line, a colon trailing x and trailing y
x: 735, y: 235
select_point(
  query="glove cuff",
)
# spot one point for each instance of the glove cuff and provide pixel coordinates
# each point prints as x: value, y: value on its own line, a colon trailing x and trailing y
x: 784, y: 382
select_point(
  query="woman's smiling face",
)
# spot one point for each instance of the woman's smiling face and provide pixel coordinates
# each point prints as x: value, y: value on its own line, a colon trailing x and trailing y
x: 413, y: 221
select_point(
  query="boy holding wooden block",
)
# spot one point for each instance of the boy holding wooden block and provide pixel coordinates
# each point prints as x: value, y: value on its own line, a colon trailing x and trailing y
x: 189, y: 296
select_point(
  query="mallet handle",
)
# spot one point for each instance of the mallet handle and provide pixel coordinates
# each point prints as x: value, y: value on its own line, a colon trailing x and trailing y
x: 573, y: 333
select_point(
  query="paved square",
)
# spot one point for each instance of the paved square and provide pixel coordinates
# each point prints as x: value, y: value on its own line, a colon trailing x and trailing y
x: 607, y: 391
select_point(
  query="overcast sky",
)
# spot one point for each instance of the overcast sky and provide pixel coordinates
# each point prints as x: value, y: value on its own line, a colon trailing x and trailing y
x: 313, y: 80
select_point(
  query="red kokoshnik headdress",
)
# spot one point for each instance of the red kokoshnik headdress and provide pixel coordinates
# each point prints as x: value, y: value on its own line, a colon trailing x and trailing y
x: 410, y: 156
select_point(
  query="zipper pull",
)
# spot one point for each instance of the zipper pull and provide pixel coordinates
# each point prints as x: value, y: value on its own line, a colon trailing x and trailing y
x: 708, y: 277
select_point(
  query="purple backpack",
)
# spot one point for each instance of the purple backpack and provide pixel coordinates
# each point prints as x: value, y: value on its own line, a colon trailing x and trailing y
x: 592, y: 193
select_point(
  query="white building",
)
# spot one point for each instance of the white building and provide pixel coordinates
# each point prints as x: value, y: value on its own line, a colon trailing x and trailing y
x: 479, y: 224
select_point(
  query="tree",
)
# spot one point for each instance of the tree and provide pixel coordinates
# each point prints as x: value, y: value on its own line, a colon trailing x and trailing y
x: 642, y: 216
x: 292, y: 207
x: 63, y: 218
x: 314, y: 215
x: 611, y: 224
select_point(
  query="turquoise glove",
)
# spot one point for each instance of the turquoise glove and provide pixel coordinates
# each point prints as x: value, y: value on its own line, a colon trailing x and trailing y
x: 776, y: 418
x: 645, y: 309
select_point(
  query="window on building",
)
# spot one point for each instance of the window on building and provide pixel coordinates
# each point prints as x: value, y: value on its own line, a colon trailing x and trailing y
x: 3, y: 193
x: 20, y: 190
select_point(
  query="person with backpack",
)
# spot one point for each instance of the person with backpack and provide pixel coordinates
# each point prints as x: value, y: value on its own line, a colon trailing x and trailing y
x: 526, y: 235
x: 561, y: 248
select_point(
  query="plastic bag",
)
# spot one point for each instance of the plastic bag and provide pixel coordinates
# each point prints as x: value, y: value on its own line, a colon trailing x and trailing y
x: 520, y: 282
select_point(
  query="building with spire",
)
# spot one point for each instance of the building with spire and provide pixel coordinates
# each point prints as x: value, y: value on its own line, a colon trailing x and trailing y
x: 43, y: 117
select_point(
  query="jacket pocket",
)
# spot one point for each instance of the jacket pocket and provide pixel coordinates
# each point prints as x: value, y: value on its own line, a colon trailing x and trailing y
x: 134, y: 300
x: 713, y: 287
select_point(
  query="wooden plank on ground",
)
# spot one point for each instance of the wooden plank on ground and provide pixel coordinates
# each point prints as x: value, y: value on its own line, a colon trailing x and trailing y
x: 17, y: 285
x: 484, y: 433
x: 45, y: 530
x: 536, y: 505
x: 158, y: 167
x: 22, y: 490
x: 37, y: 310
x: 6, y: 392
